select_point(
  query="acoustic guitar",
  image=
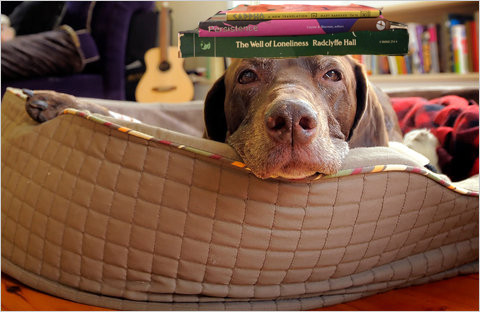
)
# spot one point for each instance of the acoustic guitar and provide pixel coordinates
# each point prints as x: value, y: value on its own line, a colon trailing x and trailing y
x: 164, y: 80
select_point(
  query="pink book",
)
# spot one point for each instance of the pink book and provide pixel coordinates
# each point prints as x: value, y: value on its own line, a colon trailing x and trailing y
x: 217, y: 26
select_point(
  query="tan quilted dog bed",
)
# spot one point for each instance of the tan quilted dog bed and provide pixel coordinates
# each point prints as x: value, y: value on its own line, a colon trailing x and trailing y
x: 99, y: 213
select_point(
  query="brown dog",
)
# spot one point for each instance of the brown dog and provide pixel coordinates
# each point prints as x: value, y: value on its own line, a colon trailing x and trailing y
x: 295, y: 117
x: 285, y: 117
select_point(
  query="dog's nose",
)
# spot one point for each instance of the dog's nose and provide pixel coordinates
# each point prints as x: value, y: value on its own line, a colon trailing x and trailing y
x: 291, y: 122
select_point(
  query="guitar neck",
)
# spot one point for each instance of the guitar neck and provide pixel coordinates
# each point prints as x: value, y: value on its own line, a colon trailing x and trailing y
x: 164, y: 33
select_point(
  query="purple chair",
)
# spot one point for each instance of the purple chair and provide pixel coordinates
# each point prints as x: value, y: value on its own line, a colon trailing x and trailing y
x: 109, y: 25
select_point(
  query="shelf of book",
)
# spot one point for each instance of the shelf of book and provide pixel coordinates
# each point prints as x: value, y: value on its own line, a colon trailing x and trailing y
x: 428, y: 11
x: 434, y: 78
x: 447, y: 31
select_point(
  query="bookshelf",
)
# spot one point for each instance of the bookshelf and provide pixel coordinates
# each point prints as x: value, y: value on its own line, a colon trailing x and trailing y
x: 425, y: 12
x: 438, y: 84
x: 428, y: 11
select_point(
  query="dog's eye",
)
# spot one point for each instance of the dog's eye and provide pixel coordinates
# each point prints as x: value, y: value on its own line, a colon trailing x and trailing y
x: 332, y: 75
x: 247, y: 76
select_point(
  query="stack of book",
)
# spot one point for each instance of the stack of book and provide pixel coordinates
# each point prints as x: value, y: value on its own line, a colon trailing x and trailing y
x: 267, y: 30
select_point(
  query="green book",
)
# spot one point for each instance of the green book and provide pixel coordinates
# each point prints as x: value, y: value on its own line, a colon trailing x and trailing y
x: 387, y: 42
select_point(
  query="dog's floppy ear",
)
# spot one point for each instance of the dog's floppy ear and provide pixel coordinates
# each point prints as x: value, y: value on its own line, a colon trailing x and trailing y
x: 368, y: 127
x: 361, y: 94
x: 214, y: 112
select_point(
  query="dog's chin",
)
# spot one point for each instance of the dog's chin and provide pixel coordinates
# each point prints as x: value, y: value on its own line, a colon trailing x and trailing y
x: 291, y: 172
x: 299, y: 163
x: 294, y: 163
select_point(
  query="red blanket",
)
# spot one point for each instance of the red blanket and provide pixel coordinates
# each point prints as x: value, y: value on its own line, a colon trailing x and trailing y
x: 454, y: 121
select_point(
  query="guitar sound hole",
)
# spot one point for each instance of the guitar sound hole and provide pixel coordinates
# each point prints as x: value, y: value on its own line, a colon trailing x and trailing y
x: 164, y: 66
x: 161, y: 89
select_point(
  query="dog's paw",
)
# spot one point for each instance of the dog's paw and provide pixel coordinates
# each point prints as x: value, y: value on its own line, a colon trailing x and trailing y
x: 45, y: 105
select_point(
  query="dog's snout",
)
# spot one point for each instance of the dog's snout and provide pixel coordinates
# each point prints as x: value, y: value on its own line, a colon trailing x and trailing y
x: 291, y: 122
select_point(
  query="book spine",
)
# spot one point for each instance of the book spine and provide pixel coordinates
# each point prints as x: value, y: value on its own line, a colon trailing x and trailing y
x: 427, y: 57
x: 408, y: 63
x: 475, y: 42
x: 367, y: 60
x: 250, y: 16
x: 413, y: 47
x: 469, y: 41
x: 402, y: 65
x: 459, y: 48
x: 420, y: 29
x: 383, y: 65
x: 292, y: 27
x: 392, y: 65
x: 374, y: 64
x: 393, y: 42
x: 445, y: 46
x: 433, y: 43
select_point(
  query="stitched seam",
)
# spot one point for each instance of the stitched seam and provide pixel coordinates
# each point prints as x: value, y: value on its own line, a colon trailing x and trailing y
x: 456, y: 254
x: 430, y: 223
x: 40, y: 185
x: 376, y: 223
x: 397, y: 222
x: 450, y: 215
x: 426, y: 228
x: 129, y: 223
x: 87, y: 209
x: 132, y: 223
x: 157, y: 226
x: 300, y: 236
x: 104, y: 278
x: 68, y: 208
x: 187, y: 213
x: 213, y: 225
x: 353, y: 229
x: 241, y: 234
x: 29, y: 178
x: 271, y: 233
x: 416, y: 217
x: 190, y: 213
x: 14, y: 192
x: 328, y: 230
x: 50, y: 208
x: 460, y: 217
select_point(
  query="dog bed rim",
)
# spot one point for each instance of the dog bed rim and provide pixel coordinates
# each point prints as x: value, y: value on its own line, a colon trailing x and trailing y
x: 240, y: 165
x: 459, y: 242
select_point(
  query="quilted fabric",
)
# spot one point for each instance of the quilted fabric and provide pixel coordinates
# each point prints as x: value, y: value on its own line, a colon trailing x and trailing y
x: 102, y: 216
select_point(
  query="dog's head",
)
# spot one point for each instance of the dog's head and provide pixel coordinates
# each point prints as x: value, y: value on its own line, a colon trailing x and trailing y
x: 288, y: 117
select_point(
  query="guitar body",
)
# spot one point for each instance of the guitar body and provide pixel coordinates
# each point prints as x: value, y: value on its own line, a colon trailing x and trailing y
x: 171, y: 85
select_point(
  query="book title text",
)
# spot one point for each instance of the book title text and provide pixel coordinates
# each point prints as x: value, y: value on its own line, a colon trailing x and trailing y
x: 293, y: 43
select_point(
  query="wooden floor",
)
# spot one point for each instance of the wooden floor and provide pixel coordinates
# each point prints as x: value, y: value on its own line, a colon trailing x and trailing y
x: 458, y: 293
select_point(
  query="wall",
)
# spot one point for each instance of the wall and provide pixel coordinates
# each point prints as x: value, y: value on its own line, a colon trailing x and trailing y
x: 185, y: 16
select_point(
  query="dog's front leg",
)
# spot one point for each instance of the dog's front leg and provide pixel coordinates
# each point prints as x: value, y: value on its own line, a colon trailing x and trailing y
x: 45, y: 105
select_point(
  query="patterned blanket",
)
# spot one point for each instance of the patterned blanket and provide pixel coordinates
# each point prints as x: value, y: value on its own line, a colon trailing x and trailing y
x: 454, y: 121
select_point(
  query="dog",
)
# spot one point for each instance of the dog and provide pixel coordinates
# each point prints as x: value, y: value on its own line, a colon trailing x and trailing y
x: 296, y: 117
x: 290, y: 117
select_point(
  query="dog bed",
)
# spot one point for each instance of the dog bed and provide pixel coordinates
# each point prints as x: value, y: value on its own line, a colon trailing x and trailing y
x: 130, y: 216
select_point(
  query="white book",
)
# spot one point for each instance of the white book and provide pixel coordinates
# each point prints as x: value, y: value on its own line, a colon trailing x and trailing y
x: 459, y: 42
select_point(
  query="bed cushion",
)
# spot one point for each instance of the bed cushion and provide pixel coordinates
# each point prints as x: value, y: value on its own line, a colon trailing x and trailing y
x: 98, y: 212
